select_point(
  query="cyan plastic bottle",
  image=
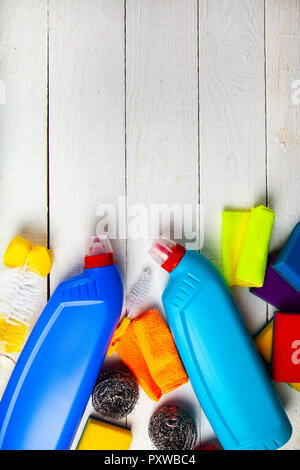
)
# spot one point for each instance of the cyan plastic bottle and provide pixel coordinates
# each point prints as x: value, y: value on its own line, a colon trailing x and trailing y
x: 52, y: 381
x: 226, y: 372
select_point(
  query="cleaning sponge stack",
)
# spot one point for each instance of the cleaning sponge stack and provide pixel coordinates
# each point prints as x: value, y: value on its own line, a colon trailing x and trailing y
x: 276, y: 280
x: 288, y: 261
x: 279, y: 341
x: 245, y: 245
x: 274, y: 345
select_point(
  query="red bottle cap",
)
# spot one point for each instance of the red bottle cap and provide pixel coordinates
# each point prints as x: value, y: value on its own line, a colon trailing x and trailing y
x: 167, y: 254
x: 99, y: 253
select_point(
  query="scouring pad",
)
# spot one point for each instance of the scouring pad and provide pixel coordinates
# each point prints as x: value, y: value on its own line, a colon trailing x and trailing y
x: 172, y: 428
x: 115, y: 393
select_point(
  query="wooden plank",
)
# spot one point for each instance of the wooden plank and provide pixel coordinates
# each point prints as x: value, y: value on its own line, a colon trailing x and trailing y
x: 23, y: 121
x: 86, y: 121
x: 162, y: 145
x: 232, y: 124
x: 283, y: 142
x: 232, y: 116
x: 86, y: 126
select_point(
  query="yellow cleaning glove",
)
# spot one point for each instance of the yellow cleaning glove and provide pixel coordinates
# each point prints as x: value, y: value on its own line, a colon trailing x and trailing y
x: 245, y: 245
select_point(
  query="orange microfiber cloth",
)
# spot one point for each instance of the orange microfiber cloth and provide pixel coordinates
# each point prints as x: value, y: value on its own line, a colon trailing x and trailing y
x: 148, y: 349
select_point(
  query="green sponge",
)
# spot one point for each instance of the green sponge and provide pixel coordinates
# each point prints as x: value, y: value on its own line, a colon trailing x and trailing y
x: 245, y: 245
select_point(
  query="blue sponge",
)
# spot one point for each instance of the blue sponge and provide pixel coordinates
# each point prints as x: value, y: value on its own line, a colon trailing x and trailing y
x: 287, y: 264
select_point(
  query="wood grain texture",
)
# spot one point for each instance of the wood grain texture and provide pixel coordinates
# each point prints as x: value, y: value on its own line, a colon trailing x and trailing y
x: 86, y: 126
x: 162, y: 142
x: 23, y: 123
x: 127, y: 83
x: 232, y: 125
x: 232, y: 117
x: 283, y: 143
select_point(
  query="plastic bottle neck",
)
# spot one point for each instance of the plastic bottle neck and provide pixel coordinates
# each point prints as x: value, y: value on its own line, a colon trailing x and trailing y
x: 174, y: 259
x: 99, y: 261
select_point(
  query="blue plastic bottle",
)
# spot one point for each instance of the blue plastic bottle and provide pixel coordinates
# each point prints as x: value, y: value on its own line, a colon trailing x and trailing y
x: 57, y: 369
x: 226, y: 372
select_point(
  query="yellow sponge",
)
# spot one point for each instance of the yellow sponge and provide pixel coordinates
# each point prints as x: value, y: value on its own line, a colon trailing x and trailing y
x: 17, y: 252
x: 245, y: 245
x: 263, y: 342
x: 234, y: 228
x: 296, y: 386
x: 99, y: 435
x: 39, y: 260
x: 253, y: 260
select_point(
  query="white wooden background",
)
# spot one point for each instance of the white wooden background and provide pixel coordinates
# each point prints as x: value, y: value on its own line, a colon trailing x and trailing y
x: 158, y: 101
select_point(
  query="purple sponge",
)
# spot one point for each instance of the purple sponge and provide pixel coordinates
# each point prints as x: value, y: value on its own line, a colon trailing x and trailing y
x: 276, y: 291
